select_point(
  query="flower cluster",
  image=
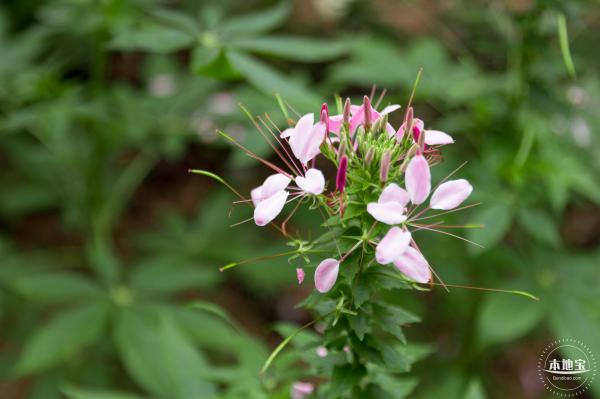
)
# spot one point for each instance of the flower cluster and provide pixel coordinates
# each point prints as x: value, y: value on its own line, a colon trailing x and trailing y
x: 383, y: 176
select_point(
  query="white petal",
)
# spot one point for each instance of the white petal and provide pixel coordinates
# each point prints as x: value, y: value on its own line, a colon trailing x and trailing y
x: 394, y: 193
x: 269, y: 208
x: 451, y: 194
x: 389, y: 109
x: 392, y: 245
x: 436, y: 137
x: 418, y: 179
x: 414, y: 265
x: 312, y: 183
x: 326, y: 274
x: 274, y: 183
x: 387, y: 212
x: 257, y: 195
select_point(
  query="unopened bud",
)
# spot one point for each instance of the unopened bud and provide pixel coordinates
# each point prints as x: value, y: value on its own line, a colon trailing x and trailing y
x: 369, y: 156
x: 346, y: 111
x: 379, y: 126
x: 325, y: 116
x: 340, y: 180
x: 367, y: 111
x: 385, y: 166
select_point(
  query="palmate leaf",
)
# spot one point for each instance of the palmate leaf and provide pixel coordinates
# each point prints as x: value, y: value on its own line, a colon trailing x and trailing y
x: 159, y: 357
x: 56, y: 287
x: 272, y: 81
x: 63, y: 336
x: 259, y: 21
x: 302, y: 49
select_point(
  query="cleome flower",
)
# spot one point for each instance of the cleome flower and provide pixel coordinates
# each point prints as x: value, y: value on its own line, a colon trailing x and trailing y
x: 382, y: 186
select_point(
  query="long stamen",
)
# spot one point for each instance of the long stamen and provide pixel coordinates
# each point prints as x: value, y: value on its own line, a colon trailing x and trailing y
x: 253, y: 155
x: 447, y: 212
x: 431, y: 268
x: 291, y: 158
x: 450, y: 234
x: 293, y: 167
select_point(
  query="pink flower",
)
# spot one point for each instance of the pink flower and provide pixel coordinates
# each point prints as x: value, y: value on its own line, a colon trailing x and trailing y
x: 358, y: 114
x: 392, y: 245
x: 272, y: 185
x: 306, y: 138
x: 301, y: 390
x: 391, y: 205
x: 269, y: 198
x: 418, y: 179
x: 450, y: 194
x: 326, y: 274
x: 313, y: 182
x: 414, y: 265
x: 268, y: 209
x: 300, y: 275
x: 432, y: 137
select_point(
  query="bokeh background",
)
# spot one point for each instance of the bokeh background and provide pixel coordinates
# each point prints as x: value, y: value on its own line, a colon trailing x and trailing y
x: 109, y: 249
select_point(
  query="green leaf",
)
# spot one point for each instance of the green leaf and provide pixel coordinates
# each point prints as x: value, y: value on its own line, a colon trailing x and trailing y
x: 292, y: 48
x: 152, y: 37
x: 360, y: 324
x: 496, y: 219
x: 540, y: 225
x: 343, y: 379
x: 271, y: 81
x: 73, y: 392
x: 66, y: 334
x: 160, y: 358
x: 498, y: 322
x: 161, y: 277
x: 56, y: 287
x: 474, y: 390
x: 258, y: 21
x: 212, y: 62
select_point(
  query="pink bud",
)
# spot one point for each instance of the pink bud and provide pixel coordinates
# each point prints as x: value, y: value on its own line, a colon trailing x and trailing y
x: 346, y: 111
x: 369, y: 156
x: 325, y: 116
x: 322, y: 351
x: 340, y: 180
x: 300, y: 275
x: 385, y: 166
x: 367, y: 111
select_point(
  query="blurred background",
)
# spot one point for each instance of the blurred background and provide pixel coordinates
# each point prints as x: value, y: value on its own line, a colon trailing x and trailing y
x: 109, y: 249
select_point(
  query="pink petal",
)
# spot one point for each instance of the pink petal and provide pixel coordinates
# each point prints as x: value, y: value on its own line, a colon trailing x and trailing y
x: 418, y: 179
x: 389, y: 129
x: 436, y: 137
x: 312, y: 183
x: 301, y: 390
x: 451, y: 194
x: 274, y: 183
x: 387, y: 212
x: 257, y: 195
x: 392, y: 245
x: 394, y: 193
x: 305, y: 145
x: 417, y: 123
x: 414, y: 265
x: 335, y: 123
x: 326, y: 274
x: 300, y: 275
x: 269, y: 208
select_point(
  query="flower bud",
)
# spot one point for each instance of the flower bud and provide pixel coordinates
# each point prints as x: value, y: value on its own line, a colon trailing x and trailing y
x: 385, y: 166
x: 380, y: 124
x: 367, y: 111
x: 346, y: 111
x: 325, y: 116
x: 340, y: 180
x: 369, y: 156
